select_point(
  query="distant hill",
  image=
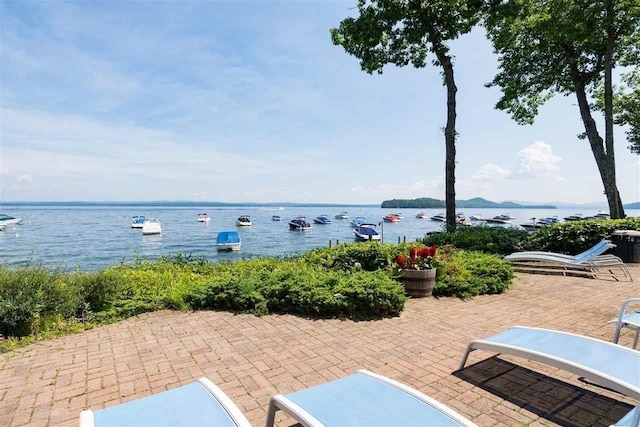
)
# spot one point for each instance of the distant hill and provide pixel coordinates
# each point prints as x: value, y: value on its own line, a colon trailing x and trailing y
x: 635, y: 205
x: 475, y: 203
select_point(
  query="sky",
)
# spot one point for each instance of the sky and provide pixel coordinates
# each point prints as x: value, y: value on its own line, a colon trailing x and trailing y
x: 249, y: 101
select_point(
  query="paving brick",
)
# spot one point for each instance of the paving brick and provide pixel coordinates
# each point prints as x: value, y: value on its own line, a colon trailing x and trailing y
x: 251, y: 358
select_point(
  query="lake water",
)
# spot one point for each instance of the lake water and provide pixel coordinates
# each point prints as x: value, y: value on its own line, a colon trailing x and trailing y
x: 93, y: 237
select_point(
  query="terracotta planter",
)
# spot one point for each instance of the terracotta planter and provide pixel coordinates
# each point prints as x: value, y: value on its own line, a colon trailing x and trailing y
x: 418, y: 283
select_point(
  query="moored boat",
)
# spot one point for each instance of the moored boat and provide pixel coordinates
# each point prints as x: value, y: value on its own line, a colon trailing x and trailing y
x: 574, y: 217
x: 276, y: 218
x: 228, y: 241
x: 151, y: 226
x: 476, y: 217
x: 203, y: 217
x: 299, y: 224
x: 9, y: 220
x: 391, y: 218
x: 322, y: 219
x: 342, y: 215
x: 138, y: 221
x: 422, y: 215
x: 357, y: 221
x: 366, y: 232
x: 439, y: 217
x: 244, y: 221
x: 498, y: 219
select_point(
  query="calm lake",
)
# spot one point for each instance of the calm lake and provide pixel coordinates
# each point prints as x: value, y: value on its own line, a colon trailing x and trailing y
x: 92, y: 237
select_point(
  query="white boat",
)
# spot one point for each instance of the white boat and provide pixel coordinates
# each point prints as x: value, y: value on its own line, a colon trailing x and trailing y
x: 244, y: 221
x: 439, y: 217
x: 422, y: 215
x: 9, y: 220
x: 366, y: 232
x: 138, y: 221
x: 151, y: 226
x: 498, y: 219
x: 203, y: 217
x: 575, y: 217
x: 228, y: 241
x: 276, y: 218
x: 476, y: 217
x: 342, y: 215
x: 505, y: 216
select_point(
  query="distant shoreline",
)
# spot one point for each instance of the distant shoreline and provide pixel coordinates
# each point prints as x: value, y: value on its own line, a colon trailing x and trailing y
x: 188, y: 204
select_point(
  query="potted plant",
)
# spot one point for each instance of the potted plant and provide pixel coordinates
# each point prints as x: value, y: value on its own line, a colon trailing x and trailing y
x: 417, y: 272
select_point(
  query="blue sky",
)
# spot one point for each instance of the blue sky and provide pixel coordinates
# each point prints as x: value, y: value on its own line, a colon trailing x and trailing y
x: 250, y: 101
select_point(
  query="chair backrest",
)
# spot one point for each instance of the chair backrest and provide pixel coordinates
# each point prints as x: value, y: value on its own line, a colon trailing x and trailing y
x: 598, y: 249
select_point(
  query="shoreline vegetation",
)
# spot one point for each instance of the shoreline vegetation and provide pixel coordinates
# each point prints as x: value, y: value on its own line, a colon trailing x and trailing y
x: 475, y: 203
x: 356, y: 281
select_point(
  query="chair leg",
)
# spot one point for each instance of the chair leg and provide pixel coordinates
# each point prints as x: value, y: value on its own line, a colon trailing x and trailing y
x: 635, y: 340
x: 271, y: 414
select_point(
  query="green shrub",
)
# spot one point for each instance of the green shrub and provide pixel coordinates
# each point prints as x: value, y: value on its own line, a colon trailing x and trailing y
x: 469, y: 273
x: 497, y: 240
x: 577, y: 236
x: 296, y: 287
x: 369, y: 256
x: 33, y: 298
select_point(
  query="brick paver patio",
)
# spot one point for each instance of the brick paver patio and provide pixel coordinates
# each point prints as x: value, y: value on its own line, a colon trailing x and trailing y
x: 251, y: 358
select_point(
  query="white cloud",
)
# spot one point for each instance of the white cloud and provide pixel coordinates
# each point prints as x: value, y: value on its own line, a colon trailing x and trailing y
x: 537, y: 161
x: 490, y: 172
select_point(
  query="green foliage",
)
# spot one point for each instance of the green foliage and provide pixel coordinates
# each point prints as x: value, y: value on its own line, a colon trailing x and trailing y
x: 368, y: 256
x: 626, y: 106
x: 469, y: 273
x: 299, y: 288
x: 348, y: 281
x: 32, y: 299
x: 420, y: 203
x: 578, y: 236
x: 497, y: 240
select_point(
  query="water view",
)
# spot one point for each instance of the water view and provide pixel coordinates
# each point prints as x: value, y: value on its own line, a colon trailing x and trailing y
x: 93, y: 237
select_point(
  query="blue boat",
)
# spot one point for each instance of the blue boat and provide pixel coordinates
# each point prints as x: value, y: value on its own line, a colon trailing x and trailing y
x: 138, y: 221
x: 299, y: 224
x: 228, y: 241
x: 322, y: 219
x: 366, y: 232
x: 276, y: 218
x: 357, y: 221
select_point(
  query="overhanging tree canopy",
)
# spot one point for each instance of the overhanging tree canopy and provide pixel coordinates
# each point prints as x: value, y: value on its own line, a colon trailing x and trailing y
x: 403, y: 32
x: 568, y: 47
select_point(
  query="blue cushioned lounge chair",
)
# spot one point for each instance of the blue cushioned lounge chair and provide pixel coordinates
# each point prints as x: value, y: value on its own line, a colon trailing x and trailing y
x: 590, y: 262
x: 200, y: 403
x: 607, y: 364
x: 364, y: 399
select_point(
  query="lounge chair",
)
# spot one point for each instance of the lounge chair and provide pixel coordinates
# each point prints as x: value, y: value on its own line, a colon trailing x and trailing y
x: 364, y: 399
x: 609, y: 365
x: 590, y: 262
x: 629, y: 320
x: 197, y: 404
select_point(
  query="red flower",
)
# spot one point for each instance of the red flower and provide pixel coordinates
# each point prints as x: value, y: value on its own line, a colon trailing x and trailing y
x: 402, y: 261
x: 413, y: 252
